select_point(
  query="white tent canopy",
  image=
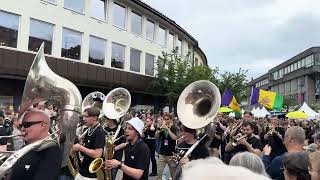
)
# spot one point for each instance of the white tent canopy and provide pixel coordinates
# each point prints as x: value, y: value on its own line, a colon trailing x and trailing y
x: 260, y: 113
x: 306, y: 109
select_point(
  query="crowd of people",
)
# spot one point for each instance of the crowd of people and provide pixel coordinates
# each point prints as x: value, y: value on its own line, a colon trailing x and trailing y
x: 247, y: 147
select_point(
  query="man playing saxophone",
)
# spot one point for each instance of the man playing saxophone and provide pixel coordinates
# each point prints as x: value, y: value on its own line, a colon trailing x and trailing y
x: 43, y: 162
x: 251, y: 143
x: 94, y: 141
x: 136, y: 163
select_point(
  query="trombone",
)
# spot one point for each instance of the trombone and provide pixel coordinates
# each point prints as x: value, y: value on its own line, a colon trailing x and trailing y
x: 235, y: 140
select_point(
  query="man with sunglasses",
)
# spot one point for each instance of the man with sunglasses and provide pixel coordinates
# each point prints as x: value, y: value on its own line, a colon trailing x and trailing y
x: 94, y: 142
x: 293, y: 141
x: 44, y: 161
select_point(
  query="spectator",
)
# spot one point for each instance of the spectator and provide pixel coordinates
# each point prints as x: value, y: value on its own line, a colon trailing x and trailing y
x: 249, y: 161
x: 295, y: 166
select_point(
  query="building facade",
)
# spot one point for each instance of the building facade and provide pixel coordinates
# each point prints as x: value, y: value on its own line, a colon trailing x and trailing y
x: 97, y: 44
x: 297, y: 79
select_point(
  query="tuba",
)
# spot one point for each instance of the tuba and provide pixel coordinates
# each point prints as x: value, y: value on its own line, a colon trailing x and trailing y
x: 115, y: 105
x: 197, y: 107
x: 93, y: 99
x: 42, y: 84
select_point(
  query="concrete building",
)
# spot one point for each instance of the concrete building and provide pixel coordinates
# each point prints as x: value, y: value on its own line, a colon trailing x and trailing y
x: 97, y: 44
x: 297, y: 79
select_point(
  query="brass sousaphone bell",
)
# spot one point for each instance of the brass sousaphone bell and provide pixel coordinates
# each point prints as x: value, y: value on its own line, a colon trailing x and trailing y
x: 197, y: 107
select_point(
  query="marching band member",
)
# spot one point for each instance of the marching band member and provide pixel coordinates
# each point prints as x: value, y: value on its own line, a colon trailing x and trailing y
x: 110, y: 129
x: 168, y: 136
x: 43, y: 162
x: 250, y: 143
x: 136, y: 163
x: 148, y: 135
x: 274, y: 137
x: 94, y: 142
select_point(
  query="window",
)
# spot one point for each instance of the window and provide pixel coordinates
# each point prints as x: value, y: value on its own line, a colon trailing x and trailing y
x: 287, y: 86
x: 149, y: 64
x: 6, y: 101
x: 196, y: 62
x: 40, y: 32
x: 150, y: 30
x: 75, y: 5
x: 135, y: 60
x: 118, y: 55
x: 170, y: 41
x: 179, y: 46
x: 71, y: 44
x: 98, y: 9
x: 299, y: 64
x: 294, y: 84
x: 295, y: 66
x: 136, y: 23
x: 285, y: 70
x: 309, y: 61
x: 97, y: 50
x: 316, y: 59
x: 119, y: 16
x: 162, y: 36
x: 9, y: 25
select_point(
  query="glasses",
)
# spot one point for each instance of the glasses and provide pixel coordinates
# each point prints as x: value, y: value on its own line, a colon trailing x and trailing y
x: 29, y: 124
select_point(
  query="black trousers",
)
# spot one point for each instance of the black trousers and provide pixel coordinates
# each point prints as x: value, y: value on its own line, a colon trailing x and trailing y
x: 152, y: 148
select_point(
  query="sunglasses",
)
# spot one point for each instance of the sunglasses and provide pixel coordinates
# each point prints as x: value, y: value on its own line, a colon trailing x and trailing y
x: 29, y: 124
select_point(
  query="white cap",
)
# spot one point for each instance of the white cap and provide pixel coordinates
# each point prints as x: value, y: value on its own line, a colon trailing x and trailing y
x: 137, y: 124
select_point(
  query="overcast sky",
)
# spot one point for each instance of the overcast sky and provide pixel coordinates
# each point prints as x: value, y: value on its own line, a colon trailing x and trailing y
x: 250, y: 34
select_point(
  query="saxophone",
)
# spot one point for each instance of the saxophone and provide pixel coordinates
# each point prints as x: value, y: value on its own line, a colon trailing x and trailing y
x: 97, y: 165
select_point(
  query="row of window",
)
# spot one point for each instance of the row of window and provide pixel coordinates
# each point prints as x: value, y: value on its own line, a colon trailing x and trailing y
x: 289, y: 86
x: 71, y: 44
x: 262, y: 83
x: 99, y: 10
x: 305, y: 62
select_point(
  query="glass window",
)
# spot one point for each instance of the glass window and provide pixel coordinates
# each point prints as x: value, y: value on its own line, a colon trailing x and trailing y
x: 9, y: 25
x: 119, y: 16
x: 179, y: 46
x: 118, y: 55
x: 135, y: 60
x: 170, y: 41
x: 136, y: 23
x: 316, y: 59
x: 285, y: 70
x: 75, y: 5
x: 40, y: 32
x: 294, y: 84
x: 71, y: 44
x: 149, y: 64
x: 196, y: 62
x: 98, y: 9
x: 287, y: 86
x: 299, y: 64
x: 97, y: 50
x: 309, y: 61
x: 162, y: 36
x: 150, y: 30
x: 6, y: 101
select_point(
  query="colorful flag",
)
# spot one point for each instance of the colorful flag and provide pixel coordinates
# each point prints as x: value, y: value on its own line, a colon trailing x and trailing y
x: 268, y: 99
x: 229, y: 100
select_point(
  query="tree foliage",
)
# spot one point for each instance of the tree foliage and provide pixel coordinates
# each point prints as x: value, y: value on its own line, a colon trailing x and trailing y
x: 175, y: 72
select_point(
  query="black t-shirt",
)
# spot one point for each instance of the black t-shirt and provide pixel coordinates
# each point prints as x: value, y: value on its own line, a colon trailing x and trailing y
x: 117, y: 154
x: 200, y: 152
x: 215, y: 143
x: 149, y: 138
x: 137, y: 156
x: 276, y: 143
x: 255, y: 142
x: 167, y: 144
x: 3, y: 132
x: 38, y: 165
x: 91, y: 141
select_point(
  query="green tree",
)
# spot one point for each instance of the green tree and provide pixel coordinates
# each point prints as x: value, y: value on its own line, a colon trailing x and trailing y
x: 236, y: 82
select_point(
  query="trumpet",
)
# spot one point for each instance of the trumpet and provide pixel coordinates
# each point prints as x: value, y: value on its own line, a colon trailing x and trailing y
x: 235, y: 141
x: 271, y: 127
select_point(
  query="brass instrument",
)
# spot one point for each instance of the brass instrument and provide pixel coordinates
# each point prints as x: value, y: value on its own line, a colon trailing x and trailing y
x: 197, y: 107
x: 94, y: 99
x: 235, y: 141
x: 270, y: 132
x: 115, y: 105
x: 42, y: 84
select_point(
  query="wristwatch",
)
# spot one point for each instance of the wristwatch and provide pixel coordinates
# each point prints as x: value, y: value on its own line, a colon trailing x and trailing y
x: 120, y: 165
